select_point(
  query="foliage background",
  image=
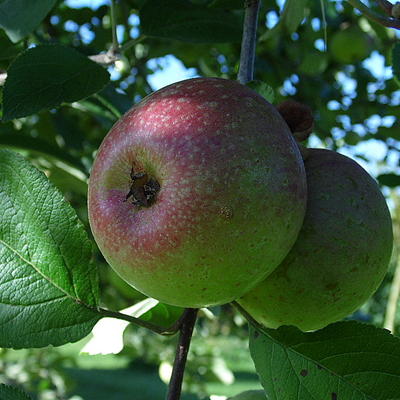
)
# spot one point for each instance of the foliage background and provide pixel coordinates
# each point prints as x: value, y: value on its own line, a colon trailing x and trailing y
x: 355, y: 102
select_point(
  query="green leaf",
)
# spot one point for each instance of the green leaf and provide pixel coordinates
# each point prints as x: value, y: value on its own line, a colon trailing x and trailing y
x: 391, y: 180
x: 262, y: 89
x: 8, y: 50
x: 346, y: 360
x: 49, y: 287
x: 396, y: 62
x: 37, y: 145
x: 392, y: 132
x: 182, y: 20
x: 228, y: 4
x: 249, y: 395
x: 162, y: 314
x: 12, y: 393
x: 46, y: 76
x: 20, y: 17
x: 294, y: 13
x: 313, y: 63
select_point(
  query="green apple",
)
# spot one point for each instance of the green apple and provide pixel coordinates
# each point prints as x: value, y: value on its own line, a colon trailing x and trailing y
x: 197, y: 193
x: 341, y: 254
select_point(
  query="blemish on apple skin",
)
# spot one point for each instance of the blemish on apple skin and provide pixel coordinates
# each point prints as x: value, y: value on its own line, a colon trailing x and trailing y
x: 226, y: 212
x: 331, y: 286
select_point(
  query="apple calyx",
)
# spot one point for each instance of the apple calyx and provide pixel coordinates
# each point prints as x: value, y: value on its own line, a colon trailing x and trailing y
x: 299, y: 118
x: 143, y: 190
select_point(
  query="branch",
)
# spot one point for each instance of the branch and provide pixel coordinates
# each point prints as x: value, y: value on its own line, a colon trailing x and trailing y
x: 182, y: 349
x: 386, y: 6
x: 389, y: 22
x: 248, y: 49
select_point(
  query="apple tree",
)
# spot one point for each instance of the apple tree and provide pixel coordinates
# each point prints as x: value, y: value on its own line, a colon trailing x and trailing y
x: 207, y: 198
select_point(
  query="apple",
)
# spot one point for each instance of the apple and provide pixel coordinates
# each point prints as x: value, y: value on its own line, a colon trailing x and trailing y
x: 250, y: 395
x: 340, y: 256
x: 197, y: 193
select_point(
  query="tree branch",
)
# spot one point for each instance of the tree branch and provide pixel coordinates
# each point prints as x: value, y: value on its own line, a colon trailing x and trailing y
x: 248, y: 49
x: 386, y: 6
x: 182, y: 349
x: 389, y: 22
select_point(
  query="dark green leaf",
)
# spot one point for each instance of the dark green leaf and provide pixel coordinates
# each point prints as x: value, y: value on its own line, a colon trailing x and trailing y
x: 182, y: 20
x: 392, y: 132
x: 20, y: 17
x: 249, y: 395
x: 396, y: 62
x: 228, y: 4
x: 163, y: 315
x: 352, y: 138
x: 346, y: 360
x: 391, y: 180
x: 262, y: 89
x: 294, y: 13
x: 12, y: 393
x: 313, y: 63
x: 49, y: 287
x: 46, y: 76
x: 8, y: 50
x: 24, y: 142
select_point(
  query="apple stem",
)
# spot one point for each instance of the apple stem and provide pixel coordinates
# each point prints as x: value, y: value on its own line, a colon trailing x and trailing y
x: 182, y: 349
x: 248, y: 49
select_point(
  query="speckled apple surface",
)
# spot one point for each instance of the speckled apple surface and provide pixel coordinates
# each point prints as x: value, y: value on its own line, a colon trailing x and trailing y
x: 340, y: 256
x: 232, y: 196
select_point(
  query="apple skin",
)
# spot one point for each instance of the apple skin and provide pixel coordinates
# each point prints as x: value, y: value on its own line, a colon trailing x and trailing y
x: 340, y: 256
x: 231, y: 200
